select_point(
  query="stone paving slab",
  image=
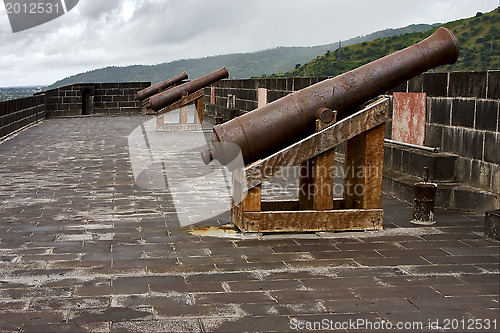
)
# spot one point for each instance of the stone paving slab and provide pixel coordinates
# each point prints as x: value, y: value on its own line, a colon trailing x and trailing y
x: 87, y: 244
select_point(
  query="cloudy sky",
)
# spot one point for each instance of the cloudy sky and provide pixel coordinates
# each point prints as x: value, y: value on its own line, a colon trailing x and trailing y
x: 99, y: 33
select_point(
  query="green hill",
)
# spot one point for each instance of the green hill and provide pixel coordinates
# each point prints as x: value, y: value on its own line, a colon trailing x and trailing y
x: 478, y: 38
x: 240, y: 65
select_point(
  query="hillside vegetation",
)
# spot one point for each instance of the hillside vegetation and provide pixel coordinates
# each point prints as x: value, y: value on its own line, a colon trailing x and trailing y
x: 239, y: 65
x: 478, y: 38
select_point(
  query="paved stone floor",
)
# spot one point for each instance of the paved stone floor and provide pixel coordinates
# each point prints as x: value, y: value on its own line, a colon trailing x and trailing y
x: 88, y: 242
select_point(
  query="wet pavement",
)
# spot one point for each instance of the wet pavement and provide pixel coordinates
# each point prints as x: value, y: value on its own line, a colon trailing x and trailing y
x: 91, y: 241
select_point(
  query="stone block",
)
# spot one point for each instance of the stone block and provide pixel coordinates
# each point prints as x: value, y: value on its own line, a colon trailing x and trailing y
x: 261, y: 83
x: 473, y: 144
x: 475, y: 173
x: 106, y: 99
x: 435, y: 84
x: 440, y: 110
x: 272, y: 84
x: 463, y: 112
x: 252, y: 95
x: 126, y: 104
x: 403, y: 87
x: 388, y: 129
x: 416, y: 84
x: 491, y: 144
x: 433, y: 135
x: 71, y: 100
x: 467, y: 84
x: 493, y: 84
x: 441, y: 165
x: 114, y: 91
x: 495, y: 178
x: 73, y: 107
x: 452, y: 139
x: 281, y: 84
x: 458, y: 140
x: 487, y: 115
x: 388, y: 155
x: 397, y: 159
x: 492, y: 224
x: 107, y: 85
x: 301, y: 83
x: 130, y: 91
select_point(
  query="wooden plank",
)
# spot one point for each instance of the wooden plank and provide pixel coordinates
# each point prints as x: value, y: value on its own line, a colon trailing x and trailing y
x: 328, y: 220
x: 363, y: 169
x: 354, y: 181
x: 320, y: 142
x: 237, y: 216
x: 238, y: 193
x: 183, y: 115
x: 237, y: 182
x: 184, y: 101
x: 168, y: 127
x: 374, y: 165
x: 160, y: 121
x: 324, y: 168
x: 252, y: 201
x: 307, y: 188
x: 292, y: 205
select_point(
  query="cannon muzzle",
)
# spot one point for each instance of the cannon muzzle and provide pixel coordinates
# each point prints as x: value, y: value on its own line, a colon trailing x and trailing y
x: 159, y: 87
x: 159, y: 101
x: 276, y: 125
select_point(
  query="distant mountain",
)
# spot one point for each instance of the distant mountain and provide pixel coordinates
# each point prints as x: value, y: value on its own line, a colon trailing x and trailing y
x: 478, y: 39
x: 240, y: 65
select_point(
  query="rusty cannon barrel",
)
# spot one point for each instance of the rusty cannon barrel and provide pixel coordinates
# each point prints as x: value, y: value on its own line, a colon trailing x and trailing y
x: 159, y: 87
x: 161, y: 100
x: 276, y: 125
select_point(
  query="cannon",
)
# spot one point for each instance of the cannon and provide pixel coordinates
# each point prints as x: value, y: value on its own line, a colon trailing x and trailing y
x: 159, y: 87
x: 161, y: 100
x: 276, y: 125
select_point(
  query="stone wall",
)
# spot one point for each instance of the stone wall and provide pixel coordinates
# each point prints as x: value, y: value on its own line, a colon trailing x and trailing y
x: 232, y: 98
x: 462, y: 115
x: 19, y: 113
x: 463, y: 118
x: 94, y: 98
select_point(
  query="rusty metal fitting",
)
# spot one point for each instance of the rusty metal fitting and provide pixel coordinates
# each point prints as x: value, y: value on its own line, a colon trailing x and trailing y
x: 207, y: 156
x: 326, y: 115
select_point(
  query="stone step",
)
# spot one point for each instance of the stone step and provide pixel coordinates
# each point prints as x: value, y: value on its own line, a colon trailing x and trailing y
x: 449, y: 195
x: 412, y: 161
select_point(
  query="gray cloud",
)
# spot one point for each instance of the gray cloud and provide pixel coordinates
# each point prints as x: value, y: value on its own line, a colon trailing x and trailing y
x: 100, y: 33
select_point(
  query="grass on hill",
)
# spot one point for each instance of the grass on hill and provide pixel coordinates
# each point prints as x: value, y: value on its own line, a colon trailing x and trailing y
x: 478, y: 38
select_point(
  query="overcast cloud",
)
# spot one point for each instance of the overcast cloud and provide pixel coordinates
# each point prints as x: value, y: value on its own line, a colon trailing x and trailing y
x: 99, y: 33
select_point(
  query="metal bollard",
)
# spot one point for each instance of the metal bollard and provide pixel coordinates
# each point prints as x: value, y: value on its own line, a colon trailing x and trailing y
x: 425, y: 193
